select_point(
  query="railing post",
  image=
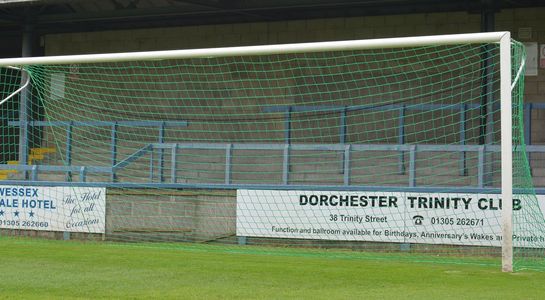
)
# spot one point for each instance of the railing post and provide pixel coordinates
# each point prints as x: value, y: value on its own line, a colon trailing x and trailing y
x: 82, y: 174
x: 528, y: 130
x: 401, y: 138
x: 346, y: 179
x: 34, y: 174
x: 161, y: 152
x: 342, y: 133
x: 342, y: 136
x: 173, y: 163
x: 528, y: 123
x: 480, y: 167
x: 114, y: 150
x: 151, y: 165
x: 287, y: 126
x: 463, y: 165
x: 228, y: 153
x: 69, y: 149
x: 286, y: 164
x: 412, y: 166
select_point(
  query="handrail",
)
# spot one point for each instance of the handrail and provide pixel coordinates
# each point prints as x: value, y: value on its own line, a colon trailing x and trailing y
x: 139, y: 123
x: 27, y: 82
x: 221, y: 186
x: 139, y: 153
x: 285, y: 182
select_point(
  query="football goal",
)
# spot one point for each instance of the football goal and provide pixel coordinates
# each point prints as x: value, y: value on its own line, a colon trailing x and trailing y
x: 412, y: 145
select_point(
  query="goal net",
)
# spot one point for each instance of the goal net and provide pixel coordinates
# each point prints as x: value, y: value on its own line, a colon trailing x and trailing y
x: 392, y: 145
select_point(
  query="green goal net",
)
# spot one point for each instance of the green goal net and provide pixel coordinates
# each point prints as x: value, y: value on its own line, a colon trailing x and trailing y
x: 393, y: 148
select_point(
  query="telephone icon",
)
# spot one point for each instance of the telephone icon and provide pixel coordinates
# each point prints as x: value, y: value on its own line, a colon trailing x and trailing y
x: 418, y: 220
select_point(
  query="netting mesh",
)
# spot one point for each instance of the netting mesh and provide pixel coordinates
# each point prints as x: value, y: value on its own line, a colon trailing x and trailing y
x: 388, y: 150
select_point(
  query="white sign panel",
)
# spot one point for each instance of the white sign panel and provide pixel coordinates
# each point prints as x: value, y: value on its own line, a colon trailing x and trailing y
x: 542, y: 56
x: 73, y: 209
x: 531, y: 59
x: 431, y: 218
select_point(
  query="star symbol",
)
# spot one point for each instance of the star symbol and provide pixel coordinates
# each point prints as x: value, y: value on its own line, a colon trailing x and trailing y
x: 31, y: 214
x: 16, y: 213
x: 1, y: 213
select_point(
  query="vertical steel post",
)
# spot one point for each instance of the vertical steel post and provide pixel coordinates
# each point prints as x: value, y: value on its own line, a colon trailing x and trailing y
x: 342, y: 133
x: 528, y: 130
x: 480, y: 167
x: 412, y: 166
x: 342, y: 138
x: 151, y: 165
x: 463, y: 165
x: 228, y: 160
x: 24, y: 102
x: 287, y: 126
x: 161, y: 152
x: 487, y: 97
x: 69, y: 128
x: 173, y: 158
x: 528, y: 123
x: 286, y: 165
x: 114, y: 150
x: 401, y: 138
x: 34, y: 173
x: 346, y: 166
x: 83, y: 174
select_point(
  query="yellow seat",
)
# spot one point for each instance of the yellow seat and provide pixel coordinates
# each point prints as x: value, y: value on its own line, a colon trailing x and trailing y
x: 41, y: 151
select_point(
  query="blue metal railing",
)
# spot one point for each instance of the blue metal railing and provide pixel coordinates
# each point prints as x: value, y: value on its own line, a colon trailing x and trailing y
x: 287, y: 150
x: 114, y: 127
x: 463, y: 108
x: 287, y: 147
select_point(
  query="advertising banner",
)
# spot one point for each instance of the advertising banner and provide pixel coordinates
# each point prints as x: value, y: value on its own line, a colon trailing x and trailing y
x: 431, y: 218
x: 72, y: 209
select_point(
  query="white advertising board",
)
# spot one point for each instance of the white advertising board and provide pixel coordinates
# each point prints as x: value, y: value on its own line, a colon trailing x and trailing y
x: 72, y: 209
x: 431, y: 218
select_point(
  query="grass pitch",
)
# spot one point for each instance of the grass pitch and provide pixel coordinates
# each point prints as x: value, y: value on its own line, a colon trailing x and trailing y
x: 58, y: 269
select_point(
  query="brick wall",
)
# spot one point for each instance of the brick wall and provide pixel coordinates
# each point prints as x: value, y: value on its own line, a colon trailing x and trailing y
x: 308, y: 31
x: 261, y: 33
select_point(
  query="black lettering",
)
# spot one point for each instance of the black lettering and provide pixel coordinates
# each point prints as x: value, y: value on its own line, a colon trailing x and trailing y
x: 354, y: 200
x: 392, y: 201
x: 482, y: 204
x: 313, y: 200
x: 363, y: 201
x: 333, y: 203
x: 323, y: 200
x: 343, y: 200
x: 412, y: 199
x: 517, y: 204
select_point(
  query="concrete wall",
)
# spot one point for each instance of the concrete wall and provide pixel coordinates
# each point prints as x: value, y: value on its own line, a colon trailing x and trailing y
x: 163, y: 215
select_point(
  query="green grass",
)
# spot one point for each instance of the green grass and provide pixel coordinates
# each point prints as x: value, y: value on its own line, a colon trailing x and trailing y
x: 44, y: 269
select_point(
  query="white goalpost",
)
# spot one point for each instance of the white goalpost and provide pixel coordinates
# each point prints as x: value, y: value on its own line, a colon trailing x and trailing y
x: 503, y: 39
